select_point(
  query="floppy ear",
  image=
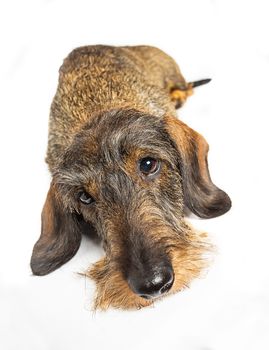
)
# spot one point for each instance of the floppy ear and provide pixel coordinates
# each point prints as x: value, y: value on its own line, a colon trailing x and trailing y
x: 201, y: 196
x: 60, y: 236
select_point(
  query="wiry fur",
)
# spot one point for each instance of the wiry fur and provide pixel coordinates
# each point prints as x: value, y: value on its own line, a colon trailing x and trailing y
x: 113, y: 107
x: 189, y: 256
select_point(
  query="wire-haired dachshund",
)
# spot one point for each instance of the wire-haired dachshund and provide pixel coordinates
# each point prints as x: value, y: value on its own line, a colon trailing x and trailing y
x: 125, y: 167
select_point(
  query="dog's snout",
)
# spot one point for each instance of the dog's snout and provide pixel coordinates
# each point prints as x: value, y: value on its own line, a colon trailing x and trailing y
x: 153, y: 284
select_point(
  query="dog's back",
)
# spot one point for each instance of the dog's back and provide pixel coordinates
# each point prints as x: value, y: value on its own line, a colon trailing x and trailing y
x: 95, y: 78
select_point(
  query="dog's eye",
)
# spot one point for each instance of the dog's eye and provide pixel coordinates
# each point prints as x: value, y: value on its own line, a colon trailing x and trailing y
x: 149, y: 166
x: 85, y: 198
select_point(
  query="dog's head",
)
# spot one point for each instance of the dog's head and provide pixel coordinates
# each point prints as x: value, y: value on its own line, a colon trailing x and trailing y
x: 129, y: 175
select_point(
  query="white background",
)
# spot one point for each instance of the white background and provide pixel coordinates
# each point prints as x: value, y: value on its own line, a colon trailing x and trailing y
x: 224, y: 40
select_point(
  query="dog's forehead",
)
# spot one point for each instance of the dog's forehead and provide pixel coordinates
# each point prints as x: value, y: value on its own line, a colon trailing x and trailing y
x: 106, y: 142
x: 126, y: 127
x: 113, y: 134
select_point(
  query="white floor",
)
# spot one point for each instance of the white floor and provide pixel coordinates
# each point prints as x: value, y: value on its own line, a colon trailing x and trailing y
x: 225, y: 40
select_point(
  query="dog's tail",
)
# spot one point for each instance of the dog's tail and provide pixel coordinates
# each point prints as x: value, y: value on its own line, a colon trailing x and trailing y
x: 179, y: 94
x: 198, y: 83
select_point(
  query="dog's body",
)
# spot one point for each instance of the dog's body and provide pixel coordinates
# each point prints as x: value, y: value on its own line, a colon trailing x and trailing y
x: 125, y: 166
x: 101, y: 78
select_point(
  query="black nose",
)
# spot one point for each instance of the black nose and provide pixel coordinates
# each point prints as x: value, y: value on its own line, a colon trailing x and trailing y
x: 148, y: 286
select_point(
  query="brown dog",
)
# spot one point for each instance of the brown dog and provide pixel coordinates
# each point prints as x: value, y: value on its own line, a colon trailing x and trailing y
x: 124, y: 166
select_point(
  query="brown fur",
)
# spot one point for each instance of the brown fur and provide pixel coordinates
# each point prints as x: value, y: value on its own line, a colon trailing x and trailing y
x: 189, y: 259
x: 113, y: 107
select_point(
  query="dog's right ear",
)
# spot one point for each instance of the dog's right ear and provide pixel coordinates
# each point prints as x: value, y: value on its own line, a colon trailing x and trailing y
x: 60, y: 235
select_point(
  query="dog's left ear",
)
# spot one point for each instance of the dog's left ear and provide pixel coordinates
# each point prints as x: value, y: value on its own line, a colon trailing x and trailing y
x: 60, y: 235
x: 201, y: 196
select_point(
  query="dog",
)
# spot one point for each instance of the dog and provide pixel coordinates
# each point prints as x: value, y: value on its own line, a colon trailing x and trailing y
x: 126, y: 168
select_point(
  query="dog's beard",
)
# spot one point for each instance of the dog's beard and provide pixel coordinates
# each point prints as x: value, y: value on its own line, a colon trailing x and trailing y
x: 189, y: 257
